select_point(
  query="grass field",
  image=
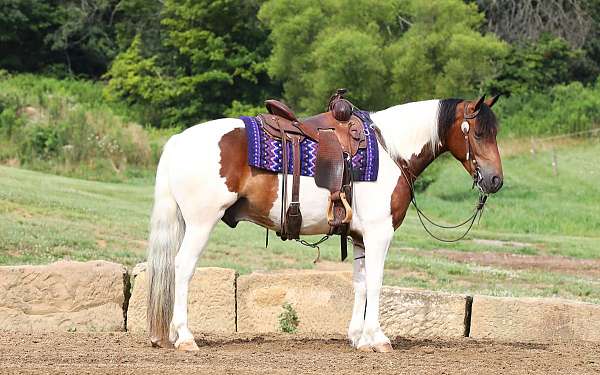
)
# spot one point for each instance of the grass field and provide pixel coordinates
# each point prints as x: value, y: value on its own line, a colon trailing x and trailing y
x: 540, y: 236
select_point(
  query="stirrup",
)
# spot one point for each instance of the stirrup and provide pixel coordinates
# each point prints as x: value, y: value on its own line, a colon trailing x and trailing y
x: 330, y: 211
x: 347, y: 217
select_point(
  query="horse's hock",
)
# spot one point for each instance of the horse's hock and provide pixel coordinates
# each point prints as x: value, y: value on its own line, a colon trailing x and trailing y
x: 63, y: 296
x: 211, y: 303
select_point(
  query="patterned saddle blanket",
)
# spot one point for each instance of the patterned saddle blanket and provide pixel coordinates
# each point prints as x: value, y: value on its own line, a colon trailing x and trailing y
x: 265, y: 152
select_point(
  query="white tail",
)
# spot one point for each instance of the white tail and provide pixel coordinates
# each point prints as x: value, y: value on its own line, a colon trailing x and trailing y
x: 167, y: 228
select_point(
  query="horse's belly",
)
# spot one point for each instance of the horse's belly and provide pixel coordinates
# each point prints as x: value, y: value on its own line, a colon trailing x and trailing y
x: 313, y: 205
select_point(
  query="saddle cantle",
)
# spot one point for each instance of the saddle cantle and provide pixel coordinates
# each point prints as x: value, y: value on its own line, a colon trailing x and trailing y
x: 339, y: 135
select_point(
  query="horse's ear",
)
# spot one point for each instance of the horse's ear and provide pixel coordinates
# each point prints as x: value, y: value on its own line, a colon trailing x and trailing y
x: 478, y: 104
x: 490, y: 102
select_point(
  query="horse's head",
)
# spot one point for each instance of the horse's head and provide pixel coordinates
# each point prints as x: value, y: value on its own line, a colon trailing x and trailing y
x: 472, y: 140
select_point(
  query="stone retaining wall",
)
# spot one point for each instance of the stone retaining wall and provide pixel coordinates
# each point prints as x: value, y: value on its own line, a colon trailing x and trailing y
x: 63, y: 296
x: 420, y: 313
x: 534, y: 319
x: 322, y: 300
x: 94, y: 296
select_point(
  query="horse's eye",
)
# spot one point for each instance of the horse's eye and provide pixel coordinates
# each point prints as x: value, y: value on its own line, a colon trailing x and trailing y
x: 478, y: 136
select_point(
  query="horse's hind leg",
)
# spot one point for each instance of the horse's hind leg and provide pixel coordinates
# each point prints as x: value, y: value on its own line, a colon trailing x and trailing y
x: 203, y: 203
x: 202, y: 206
x: 194, y: 241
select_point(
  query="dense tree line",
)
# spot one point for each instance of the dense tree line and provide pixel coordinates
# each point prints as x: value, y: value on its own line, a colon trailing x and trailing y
x: 183, y: 61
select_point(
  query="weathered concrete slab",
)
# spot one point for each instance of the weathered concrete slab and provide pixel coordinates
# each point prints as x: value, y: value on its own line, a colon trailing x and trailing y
x: 322, y: 300
x: 211, y: 304
x: 420, y: 313
x: 534, y: 319
x: 63, y: 296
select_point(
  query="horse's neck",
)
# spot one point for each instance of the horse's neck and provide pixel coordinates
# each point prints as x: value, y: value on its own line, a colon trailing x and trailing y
x: 410, y: 132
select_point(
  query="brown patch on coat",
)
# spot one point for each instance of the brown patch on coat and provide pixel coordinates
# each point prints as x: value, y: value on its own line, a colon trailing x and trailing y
x: 411, y: 169
x: 257, y: 189
x: 400, y: 202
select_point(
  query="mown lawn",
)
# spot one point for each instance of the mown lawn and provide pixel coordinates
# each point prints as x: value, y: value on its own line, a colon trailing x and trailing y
x: 537, y: 214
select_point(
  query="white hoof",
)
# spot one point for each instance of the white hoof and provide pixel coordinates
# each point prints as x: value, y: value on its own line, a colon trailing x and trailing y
x: 383, y: 348
x: 365, y: 348
x: 187, y: 346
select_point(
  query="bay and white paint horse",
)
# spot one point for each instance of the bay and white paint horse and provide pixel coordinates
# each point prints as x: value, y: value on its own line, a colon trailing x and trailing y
x: 203, y: 174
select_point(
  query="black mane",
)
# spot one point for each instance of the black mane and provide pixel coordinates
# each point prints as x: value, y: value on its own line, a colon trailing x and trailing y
x: 487, y: 126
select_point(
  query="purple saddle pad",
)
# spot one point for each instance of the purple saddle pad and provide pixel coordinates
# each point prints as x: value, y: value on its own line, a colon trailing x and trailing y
x: 266, y: 153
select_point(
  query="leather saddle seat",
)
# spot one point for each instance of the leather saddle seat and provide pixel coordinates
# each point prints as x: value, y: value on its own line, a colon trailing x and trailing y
x: 350, y: 133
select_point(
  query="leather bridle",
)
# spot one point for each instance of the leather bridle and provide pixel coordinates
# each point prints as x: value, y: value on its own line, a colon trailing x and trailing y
x: 465, y: 127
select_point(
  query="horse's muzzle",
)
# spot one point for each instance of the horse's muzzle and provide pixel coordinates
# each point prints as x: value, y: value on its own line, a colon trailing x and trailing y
x: 491, y: 182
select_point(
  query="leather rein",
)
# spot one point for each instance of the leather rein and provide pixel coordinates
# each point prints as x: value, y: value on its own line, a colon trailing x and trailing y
x: 477, y: 177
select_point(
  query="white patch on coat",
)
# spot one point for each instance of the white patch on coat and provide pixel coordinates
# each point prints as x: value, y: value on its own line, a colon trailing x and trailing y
x: 371, y: 200
x: 407, y: 128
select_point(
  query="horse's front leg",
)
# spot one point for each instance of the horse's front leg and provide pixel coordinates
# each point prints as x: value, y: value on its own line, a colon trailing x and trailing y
x: 360, y: 294
x: 377, y: 240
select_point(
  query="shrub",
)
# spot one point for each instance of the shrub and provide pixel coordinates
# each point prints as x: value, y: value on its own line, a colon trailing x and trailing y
x: 563, y: 109
x: 66, y: 127
x: 288, y: 319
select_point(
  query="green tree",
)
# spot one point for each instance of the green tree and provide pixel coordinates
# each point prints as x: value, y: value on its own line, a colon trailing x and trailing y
x: 85, y: 35
x: 72, y: 37
x: 211, y: 54
x: 319, y: 46
x: 442, y: 55
x: 384, y: 52
x: 535, y: 66
x: 23, y: 27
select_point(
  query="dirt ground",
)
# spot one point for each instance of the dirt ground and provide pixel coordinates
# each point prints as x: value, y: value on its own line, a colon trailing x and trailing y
x: 124, y: 353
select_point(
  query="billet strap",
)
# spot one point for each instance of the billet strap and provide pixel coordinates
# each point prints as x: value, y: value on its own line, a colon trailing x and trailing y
x: 296, y: 176
x: 284, y: 171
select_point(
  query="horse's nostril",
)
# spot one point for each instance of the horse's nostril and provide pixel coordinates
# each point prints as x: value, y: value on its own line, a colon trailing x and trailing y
x: 496, y: 182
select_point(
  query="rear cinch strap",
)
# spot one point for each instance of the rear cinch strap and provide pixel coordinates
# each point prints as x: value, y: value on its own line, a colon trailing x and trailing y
x: 284, y: 171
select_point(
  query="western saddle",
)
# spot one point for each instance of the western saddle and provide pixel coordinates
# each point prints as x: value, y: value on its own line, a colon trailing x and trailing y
x: 339, y: 134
